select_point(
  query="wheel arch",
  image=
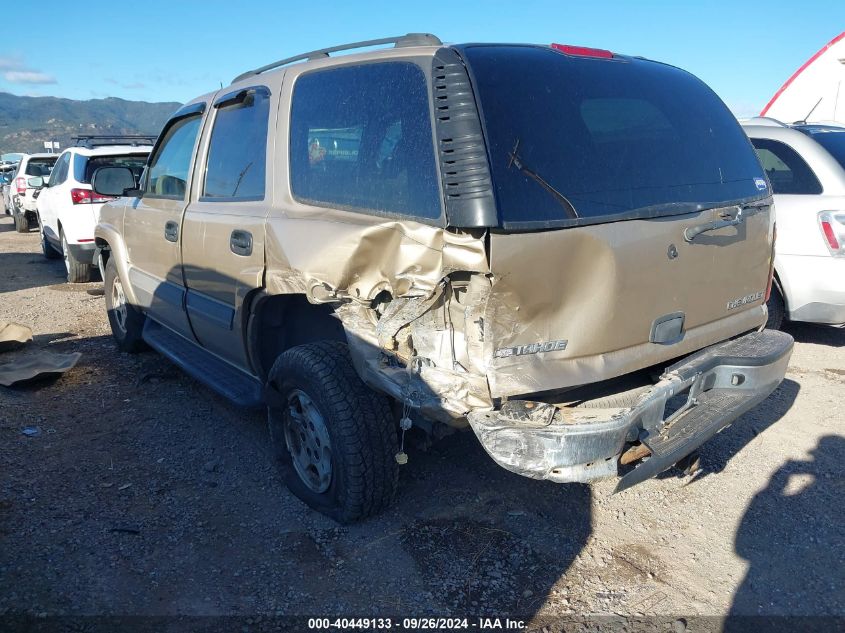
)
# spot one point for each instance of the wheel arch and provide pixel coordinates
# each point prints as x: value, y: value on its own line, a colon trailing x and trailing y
x: 277, y: 323
x: 783, y: 288
x: 109, y: 244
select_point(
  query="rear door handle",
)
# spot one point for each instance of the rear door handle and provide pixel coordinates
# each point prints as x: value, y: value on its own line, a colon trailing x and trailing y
x: 171, y: 231
x: 240, y: 242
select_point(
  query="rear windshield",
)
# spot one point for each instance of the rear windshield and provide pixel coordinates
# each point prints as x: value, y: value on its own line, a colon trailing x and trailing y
x: 40, y: 166
x: 581, y: 140
x: 833, y: 142
x: 85, y: 166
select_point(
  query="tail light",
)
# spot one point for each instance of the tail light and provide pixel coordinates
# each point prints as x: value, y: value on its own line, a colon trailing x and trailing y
x: 86, y: 196
x: 583, y: 51
x: 20, y: 185
x: 832, y: 226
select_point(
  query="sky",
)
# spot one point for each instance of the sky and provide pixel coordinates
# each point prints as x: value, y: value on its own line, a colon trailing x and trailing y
x: 176, y: 50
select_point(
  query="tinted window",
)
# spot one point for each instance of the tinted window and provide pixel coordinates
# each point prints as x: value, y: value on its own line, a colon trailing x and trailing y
x: 361, y: 137
x: 85, y: 166
x: 238, y: 147
x: 169, y: 167
x: 833, y: 142
x: 40, y: 166
x: 612, y: 138
x: 787, y: 171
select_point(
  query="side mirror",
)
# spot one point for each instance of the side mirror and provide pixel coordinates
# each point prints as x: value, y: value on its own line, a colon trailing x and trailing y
x: 36, y: 182
x: 114, y: 181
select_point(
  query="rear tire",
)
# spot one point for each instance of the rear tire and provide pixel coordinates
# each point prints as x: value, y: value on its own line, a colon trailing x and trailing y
x: 126, y: 321
x: 777, y: 309
x: 77, y: 272
x: 333, y: 437
x: 21, y: 223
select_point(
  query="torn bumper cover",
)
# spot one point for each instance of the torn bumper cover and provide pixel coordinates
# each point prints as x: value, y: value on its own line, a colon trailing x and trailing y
x: 564, y: 444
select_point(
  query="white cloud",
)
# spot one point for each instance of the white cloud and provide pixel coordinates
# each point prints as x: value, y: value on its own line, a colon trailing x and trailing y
x: 16, y: 71
x: 28, y: 77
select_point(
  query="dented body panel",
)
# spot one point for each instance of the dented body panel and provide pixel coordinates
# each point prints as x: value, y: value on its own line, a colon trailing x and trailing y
x: 601, y: 288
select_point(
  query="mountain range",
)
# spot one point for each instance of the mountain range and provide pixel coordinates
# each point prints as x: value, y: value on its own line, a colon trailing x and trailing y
x: 26, y: 122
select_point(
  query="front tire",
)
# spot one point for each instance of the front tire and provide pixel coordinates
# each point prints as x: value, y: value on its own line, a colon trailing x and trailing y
x: 77, y: 272
x: 333, y: 437
x: 126, y: 321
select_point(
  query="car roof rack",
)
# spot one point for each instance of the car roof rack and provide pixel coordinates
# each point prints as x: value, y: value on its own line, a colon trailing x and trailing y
x: 91, y: 141
x: 400, y: 41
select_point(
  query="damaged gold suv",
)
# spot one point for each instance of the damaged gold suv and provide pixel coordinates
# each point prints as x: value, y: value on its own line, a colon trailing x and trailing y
x: 564, y: 249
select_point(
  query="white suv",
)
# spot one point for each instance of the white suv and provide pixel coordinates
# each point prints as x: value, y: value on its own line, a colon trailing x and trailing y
x: 68, y: 208
x: 805, y: 164
x: 22, y: 193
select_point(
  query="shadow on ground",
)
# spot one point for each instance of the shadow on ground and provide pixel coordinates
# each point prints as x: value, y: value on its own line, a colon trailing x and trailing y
x: 793, y: 537
x: 154, y: 496
x: 21, y: 271
x: 818, y: 334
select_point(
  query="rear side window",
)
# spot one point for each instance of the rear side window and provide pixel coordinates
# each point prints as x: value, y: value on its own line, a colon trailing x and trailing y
x: 576, y: 140
x: 787, y: 171
x: 85, y: 166
x: 169, y: 166
x: 361, y: 138
x: 237, y: 152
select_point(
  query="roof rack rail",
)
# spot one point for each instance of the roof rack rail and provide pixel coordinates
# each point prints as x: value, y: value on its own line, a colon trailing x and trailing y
x: 99, y: 140
x: 400, y: 41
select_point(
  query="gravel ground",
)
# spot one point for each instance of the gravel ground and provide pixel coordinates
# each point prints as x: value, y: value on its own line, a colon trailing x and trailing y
x: 145, y: 493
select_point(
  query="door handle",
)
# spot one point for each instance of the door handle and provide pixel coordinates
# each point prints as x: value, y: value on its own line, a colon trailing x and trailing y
x: 240, y: 243
x: 171, y: 231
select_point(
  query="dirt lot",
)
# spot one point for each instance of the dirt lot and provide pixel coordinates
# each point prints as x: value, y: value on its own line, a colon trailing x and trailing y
x: 145, y: 493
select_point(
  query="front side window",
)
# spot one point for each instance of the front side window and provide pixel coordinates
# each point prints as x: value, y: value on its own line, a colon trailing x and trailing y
x: 171, y: 163
x: 787, y: 171
x: 237, y: 152
x: 361, y: 138
x: 59, y: 173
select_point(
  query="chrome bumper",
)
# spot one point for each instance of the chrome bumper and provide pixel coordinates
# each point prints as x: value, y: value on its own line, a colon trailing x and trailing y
x: 562, y: 444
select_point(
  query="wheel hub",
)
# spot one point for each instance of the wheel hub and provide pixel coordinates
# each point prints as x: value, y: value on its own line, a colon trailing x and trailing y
x: 307, y: 440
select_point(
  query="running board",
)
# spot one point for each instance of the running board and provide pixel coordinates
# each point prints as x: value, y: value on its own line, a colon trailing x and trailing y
x: 229, y: 382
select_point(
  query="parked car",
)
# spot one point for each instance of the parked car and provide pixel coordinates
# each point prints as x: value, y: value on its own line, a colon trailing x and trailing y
x: 7, y: 174
x: 68, y: 208
x: 23, y: 193
x: 805, y: 164
x: 565, y: 249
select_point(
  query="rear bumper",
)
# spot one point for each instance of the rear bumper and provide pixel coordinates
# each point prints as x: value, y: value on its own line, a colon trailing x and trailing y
x: 815, y: 288
x: 721, y: 383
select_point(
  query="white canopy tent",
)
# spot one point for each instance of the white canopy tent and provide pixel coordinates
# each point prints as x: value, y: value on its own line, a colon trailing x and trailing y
x: 816, y: 92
